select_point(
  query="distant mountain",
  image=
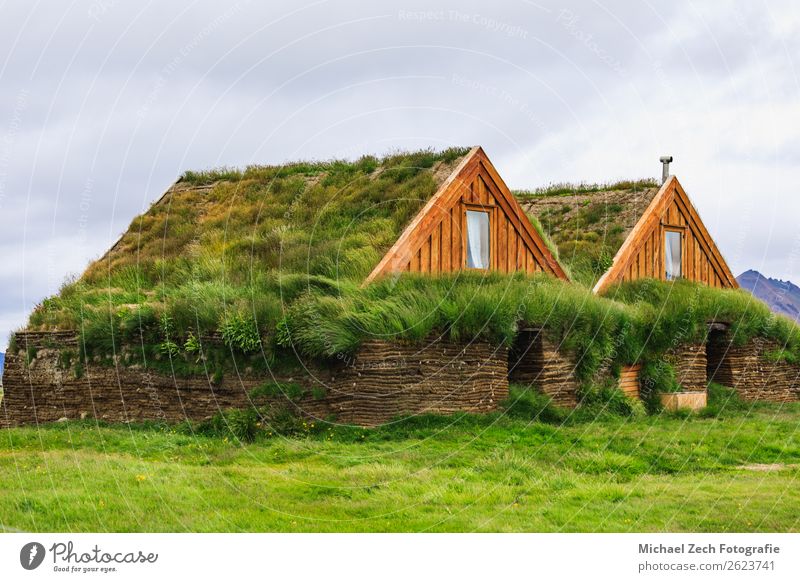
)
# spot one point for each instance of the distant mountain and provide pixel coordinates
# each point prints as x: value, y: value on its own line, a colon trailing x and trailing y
x: 781, y: 296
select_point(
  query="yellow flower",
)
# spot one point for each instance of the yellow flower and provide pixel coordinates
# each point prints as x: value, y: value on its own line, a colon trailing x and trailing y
x: 141, y: 477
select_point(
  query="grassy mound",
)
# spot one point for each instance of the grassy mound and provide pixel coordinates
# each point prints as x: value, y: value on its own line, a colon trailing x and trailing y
x: 588, y: 223
x: 225, y: 251
x: 271, y: 259
x: 679, y: 312
x: 570, y: 189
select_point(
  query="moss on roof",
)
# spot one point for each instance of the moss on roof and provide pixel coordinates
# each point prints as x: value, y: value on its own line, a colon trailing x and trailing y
x: 334, y: 218
x: 271, y: 258
x: 588, y: 223
x: 570, y: 189
x: 220, y: 240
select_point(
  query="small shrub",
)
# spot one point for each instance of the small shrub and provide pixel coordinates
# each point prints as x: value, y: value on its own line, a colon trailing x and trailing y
x: 281, y: 420
x: 607, y: 401
x: 594, y: 213
x: 211, y: 176
x: 529, y: 404
x: 242, y: 425
x: 241, y: 332
x: 368, y: 164
x: 659, y: 376
x: 568, y: 189
x: 269, y: 390
x: 166, y: 324
x: 544, y: 236
x: 602, y: 262
x: 168, y: 348
x: 192, y: 344
x: 283, y: 336
x: 783, y: 355
x: 722, y: 399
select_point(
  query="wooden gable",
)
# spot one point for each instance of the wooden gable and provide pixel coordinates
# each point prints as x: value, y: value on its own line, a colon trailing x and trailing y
x: 642, y: 253
x: 435, y: 240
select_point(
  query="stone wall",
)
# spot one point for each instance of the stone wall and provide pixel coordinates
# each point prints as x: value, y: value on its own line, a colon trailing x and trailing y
x: 751, y: 371
x: 391, y: 379
x: 535, y: 360
x: 384, y: 380
x: 40, y: 388
x: 689, y: 361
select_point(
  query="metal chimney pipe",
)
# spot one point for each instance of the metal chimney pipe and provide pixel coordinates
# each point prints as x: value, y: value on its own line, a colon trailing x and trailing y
x: 665, y: 160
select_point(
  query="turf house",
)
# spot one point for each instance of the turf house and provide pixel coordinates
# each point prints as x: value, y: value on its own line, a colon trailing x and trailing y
x: 359, y: 292
x: 612, y: 235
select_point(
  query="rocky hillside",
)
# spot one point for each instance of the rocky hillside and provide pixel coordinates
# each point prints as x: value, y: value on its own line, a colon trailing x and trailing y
x: 781, y: 296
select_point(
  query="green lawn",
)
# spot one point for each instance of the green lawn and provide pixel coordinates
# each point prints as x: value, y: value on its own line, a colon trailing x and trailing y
x: 735, y: 472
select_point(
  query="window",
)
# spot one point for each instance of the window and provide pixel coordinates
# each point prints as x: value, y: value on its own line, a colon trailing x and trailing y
x: 673, y: 261
x: 477, y: 239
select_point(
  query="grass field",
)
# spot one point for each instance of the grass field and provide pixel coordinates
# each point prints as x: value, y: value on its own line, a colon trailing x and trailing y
x: 729, y: 471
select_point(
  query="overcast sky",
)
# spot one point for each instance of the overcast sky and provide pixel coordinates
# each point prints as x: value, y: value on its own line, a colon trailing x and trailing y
x: 104, y: 103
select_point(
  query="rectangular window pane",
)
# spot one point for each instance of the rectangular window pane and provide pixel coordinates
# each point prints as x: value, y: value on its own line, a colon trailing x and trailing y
x: 672, y: 255
x: 477, y: 239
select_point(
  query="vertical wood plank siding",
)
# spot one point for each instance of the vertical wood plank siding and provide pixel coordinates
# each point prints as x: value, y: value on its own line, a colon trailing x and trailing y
x: 444, y: 250
x: 435, y: 241
x: 642, y: 254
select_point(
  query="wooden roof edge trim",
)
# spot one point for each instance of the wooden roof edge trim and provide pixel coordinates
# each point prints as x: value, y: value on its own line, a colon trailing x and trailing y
x: 446, y: 186
x: 707, y: 244
x: 672, y: 187
x: 713, y: 250
x: 641, y: 228
x: 519, y: 212
x: 516, y: 220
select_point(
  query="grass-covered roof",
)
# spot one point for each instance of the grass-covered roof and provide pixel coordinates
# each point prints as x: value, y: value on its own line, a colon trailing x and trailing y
x: 588, y: 223
x: 333, y: 219
x: 225, y: 239
x: 273, y: 258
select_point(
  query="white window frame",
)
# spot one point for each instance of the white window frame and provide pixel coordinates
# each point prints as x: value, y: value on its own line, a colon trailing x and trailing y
x: 667, y: 230
x: 489, y: 212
